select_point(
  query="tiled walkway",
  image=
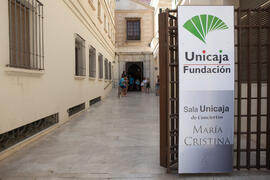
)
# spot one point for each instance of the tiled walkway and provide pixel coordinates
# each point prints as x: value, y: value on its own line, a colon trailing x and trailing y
x: 116, y: 139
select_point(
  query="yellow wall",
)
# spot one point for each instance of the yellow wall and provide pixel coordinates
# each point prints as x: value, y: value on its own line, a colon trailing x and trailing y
x: 28, y: 95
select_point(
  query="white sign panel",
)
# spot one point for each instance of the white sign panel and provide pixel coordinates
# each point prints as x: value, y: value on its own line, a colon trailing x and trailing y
x: 206, y: 74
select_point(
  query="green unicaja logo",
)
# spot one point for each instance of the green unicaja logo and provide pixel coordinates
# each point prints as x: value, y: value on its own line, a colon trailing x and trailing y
x: 202, y: 24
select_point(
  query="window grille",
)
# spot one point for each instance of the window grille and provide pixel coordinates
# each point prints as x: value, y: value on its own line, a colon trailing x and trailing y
x: 26, y: 35
x: 79, y: 56
x: 110, y: 70
x: 100, y: 66
x: 94, y: 101
x: 75, y: 109
x: 133, y: 29
x: 21, y: 133
x: 106, y: 69
x: 92, y: 62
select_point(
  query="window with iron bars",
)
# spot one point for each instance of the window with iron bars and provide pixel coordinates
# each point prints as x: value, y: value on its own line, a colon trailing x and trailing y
x: 26, y: 35
x: 100, y: 66
x: 106, y: 69
x: 110, y: 71
x: 79, y: 56
x: 133, y: 29
x: 92, y: 62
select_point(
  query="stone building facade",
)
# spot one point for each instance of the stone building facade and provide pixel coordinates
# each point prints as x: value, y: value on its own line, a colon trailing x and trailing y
x: 135, y: 31
x: 56, y: 58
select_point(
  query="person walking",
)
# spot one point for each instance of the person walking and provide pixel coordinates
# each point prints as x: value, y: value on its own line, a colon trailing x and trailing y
x: 157, y: 86
x: 126, y: 86
x: 131, y: 83
x: 124, y: 73
x: 122, y: 86
x: 138, y: 83
x: 142, y: 85
x: 147, y: 85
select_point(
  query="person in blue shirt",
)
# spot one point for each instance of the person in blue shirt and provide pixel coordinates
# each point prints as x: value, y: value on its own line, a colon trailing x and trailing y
x: 122, y: 84
x: 131, y: 83
x: 138, y: 83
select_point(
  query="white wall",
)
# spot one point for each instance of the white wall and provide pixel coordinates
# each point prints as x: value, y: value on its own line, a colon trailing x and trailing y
x: 28, y: 96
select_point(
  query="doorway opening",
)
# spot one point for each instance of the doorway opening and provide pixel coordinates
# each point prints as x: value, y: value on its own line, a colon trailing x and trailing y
x: 135, y: 72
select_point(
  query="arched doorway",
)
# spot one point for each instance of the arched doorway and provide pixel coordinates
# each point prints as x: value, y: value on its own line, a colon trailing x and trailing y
x: 135, y: 70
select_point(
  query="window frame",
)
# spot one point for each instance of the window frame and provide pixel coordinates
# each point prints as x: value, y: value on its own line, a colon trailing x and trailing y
x: 80, y: 62
x: 26, y: 37
x: 133, y: 38
x: 106, y: 69
x: 110, y: 70
x: 92, y: 62
x: 100, y: 66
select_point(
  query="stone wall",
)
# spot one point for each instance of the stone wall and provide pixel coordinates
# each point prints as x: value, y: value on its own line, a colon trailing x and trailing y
x: 134, y: 50
x: 147, y: 24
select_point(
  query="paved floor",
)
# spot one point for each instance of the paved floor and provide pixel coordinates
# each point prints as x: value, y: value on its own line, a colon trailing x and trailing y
x: 116, y: 139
